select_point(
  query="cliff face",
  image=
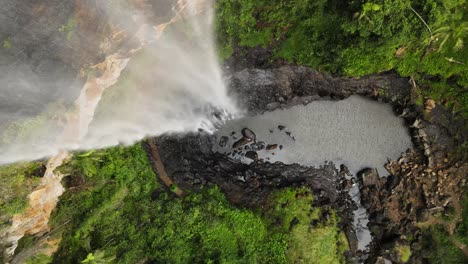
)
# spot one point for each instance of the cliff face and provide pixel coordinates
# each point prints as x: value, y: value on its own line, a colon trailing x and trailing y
x: 81, y: 47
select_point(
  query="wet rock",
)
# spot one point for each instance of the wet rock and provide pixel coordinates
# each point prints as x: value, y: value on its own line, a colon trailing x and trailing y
x: 369, y: 177
x: 223, y: 141
x: 251, y: 155
x: 272, y: 147
x: 260, y: 145
x: 241, y: 142
x: 249, y: 134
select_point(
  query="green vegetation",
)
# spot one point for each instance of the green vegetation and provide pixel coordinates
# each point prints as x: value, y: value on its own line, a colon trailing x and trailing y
x: 68, y: 28
x: 404, y: 252
x: 442, y: 250
x: 419, y: 38
x: 321, y: 242
x: 119, y: 213
x: 462, y: 229
x: 39, y: 259
x: 18, y: 181
x: 7, y: 43
x: 441, y: 243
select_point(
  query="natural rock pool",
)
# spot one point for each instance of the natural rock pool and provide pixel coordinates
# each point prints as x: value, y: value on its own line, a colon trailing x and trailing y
x: 356, y: 132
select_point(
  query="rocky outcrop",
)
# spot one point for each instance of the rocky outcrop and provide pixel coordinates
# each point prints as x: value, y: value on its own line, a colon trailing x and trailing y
x: 260, y: 90
x: 190, y: 161
x: 34, y: 221
x: 423, y: 182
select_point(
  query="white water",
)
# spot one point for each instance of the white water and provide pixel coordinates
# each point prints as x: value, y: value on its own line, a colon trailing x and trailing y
x: 173, y: 84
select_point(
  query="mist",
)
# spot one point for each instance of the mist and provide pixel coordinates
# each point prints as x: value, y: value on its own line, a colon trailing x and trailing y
x: 153, y: 70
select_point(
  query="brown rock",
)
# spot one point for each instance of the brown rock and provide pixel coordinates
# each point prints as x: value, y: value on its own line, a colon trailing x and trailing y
x: 272, y: 147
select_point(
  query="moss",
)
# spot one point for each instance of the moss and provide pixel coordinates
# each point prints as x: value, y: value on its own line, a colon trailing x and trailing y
x: 404, y: 253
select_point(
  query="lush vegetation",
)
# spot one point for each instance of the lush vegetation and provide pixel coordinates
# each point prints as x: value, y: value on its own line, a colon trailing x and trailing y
x: 423, y: 39
x: 17, y: 182
x: 440, y: 244
x: 115, y: 211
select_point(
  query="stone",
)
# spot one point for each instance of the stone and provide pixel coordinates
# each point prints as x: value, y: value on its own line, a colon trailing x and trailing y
x: 369, y: 177
x: 251, y: 155
x: 223, y: 141
x: 272, y: 147
x: 249, y: 134
x: 260, y: 145
x: 241, y: 142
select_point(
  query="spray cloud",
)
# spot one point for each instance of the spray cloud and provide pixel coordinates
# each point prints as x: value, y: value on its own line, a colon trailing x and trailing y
x: 155, y: 71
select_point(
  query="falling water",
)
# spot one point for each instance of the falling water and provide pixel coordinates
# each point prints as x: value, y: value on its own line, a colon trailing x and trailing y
x: 170, y: 82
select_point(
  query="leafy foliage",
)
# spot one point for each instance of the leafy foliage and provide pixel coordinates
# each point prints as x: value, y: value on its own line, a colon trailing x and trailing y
x: 121, y: 211
x: 18, y: 181
x: 420, y: 38
x: 319, y: 242
x: 439, y: 241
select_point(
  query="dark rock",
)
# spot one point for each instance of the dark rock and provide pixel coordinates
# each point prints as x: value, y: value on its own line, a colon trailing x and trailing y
x: 251, y: 155
x: 280, y: 127
x: 249, y: 134
x: 369, y: 177
x: 241, y: 142
x: 223, y: 141
x: 260, y: 145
